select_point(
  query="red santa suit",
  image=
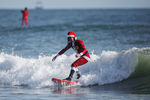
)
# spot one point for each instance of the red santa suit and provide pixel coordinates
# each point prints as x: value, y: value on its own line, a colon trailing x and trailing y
x: 25, y: 17
x: 79, y: 48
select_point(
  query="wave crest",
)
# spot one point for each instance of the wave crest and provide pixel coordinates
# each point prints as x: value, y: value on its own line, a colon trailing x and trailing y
x: 107, y: 67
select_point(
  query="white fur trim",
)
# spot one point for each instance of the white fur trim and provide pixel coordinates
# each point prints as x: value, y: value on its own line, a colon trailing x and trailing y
x: 57, y: 55
x: 73, y: 68
x: 81, y: 53
x: 70, y: 36
x: 87, y: 58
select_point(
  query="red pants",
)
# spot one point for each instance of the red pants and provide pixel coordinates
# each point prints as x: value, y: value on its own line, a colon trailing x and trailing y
x: 25, y: 20
x: 79, y: 62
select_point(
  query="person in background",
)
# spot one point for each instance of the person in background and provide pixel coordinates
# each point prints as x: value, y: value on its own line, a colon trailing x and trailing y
x: 82, y: 54
x: 25, y: 16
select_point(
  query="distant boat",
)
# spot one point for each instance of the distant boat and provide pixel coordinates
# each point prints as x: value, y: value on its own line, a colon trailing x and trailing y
x: 39, y: 5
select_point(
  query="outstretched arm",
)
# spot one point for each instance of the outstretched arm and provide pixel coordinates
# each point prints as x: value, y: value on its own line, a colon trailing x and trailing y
x: 62, y: 51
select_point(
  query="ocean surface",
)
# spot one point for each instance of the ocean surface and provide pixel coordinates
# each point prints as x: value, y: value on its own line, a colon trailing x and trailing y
x: 118, y: 41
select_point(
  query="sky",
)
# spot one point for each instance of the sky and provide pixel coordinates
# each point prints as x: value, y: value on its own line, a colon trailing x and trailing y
x: 73, y: 4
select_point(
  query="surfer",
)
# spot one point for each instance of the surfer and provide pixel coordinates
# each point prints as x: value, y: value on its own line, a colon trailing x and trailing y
x: 82, y: 54
x: 25, y: 16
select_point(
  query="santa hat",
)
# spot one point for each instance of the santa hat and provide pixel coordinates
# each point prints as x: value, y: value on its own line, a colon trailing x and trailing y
x: 72, y: 34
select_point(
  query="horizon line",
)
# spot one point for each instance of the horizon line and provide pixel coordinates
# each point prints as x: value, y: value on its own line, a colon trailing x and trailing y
x: 73, y: 8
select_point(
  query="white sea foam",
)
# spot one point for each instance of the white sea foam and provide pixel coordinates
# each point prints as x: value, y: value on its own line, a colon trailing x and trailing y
x: 108, y: 67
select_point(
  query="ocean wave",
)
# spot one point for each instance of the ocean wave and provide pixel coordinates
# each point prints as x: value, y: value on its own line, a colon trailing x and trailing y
x: 143, y: 66
x: 111, y: 67
x: 81, y: 27
x: 105, y: 68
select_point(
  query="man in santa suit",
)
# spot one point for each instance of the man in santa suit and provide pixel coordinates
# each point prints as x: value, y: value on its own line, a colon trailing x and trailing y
x: 81, y: 53
x: 25, y: 16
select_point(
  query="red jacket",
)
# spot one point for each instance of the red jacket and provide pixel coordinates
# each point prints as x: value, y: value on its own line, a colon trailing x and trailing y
x: 78, y: 46
x: 25, y: 13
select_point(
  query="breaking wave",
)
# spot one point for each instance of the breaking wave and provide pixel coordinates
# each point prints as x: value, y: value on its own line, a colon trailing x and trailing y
x: 104, y: 68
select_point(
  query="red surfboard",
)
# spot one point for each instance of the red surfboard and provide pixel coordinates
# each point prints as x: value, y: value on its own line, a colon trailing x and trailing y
x: 60, y: 80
